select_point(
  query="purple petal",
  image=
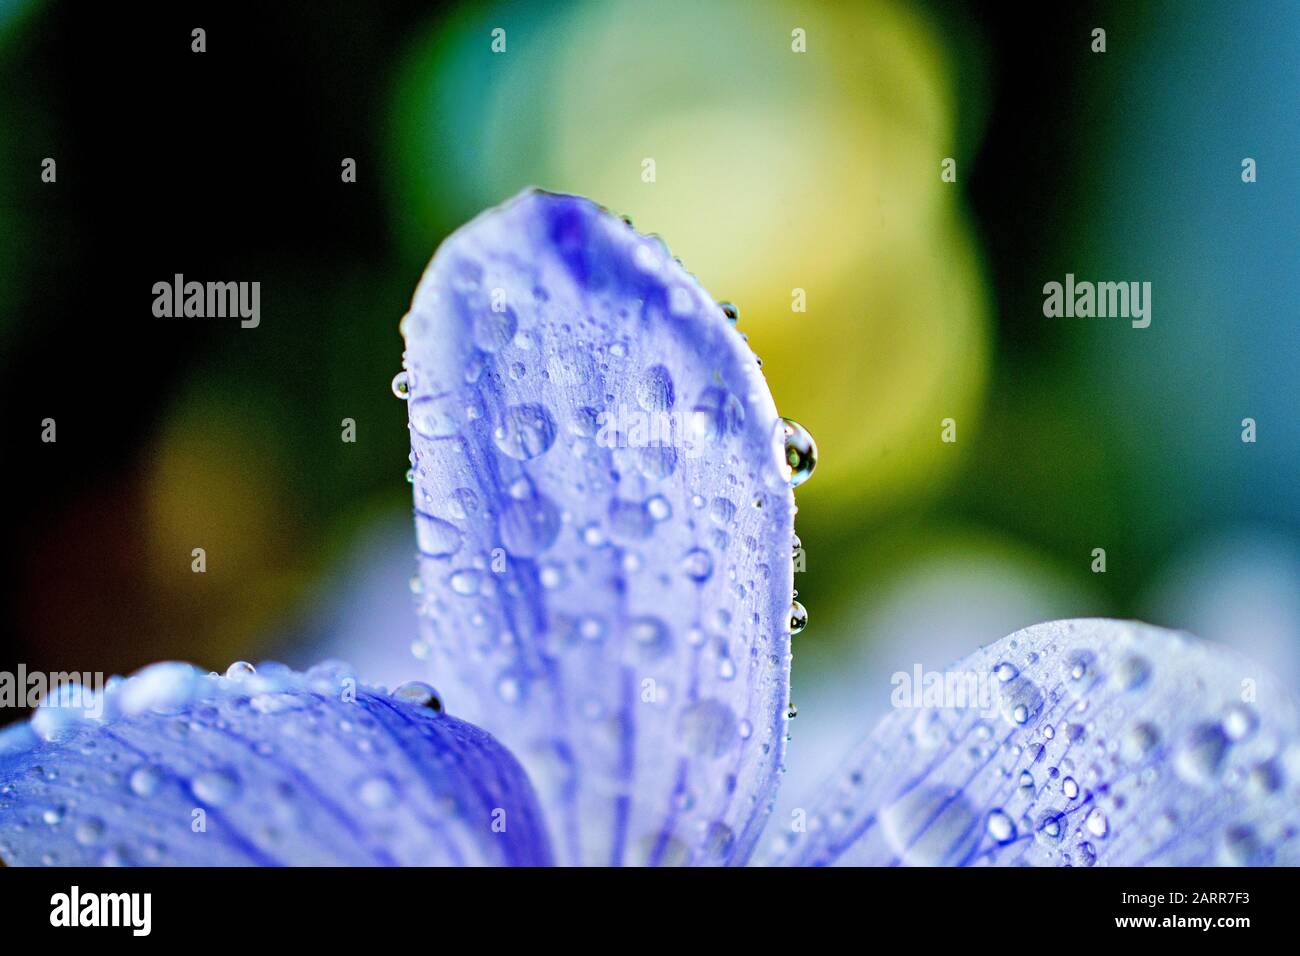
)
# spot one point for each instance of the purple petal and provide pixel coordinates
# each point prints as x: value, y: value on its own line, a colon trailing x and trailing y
x: 175, y: 767
x: 605, y: 524
x: 1088, y: 742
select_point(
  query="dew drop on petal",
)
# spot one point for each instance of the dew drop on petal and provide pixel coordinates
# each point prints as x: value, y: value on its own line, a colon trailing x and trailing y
x: 215, y: 787
x: 418, y: 694
x: 798, y: 618
x: 800, y: 451
x: 402, y: 385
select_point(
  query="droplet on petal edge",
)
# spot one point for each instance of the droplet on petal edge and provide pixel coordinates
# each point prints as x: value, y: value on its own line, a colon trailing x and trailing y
x: 266, y: 766
x: 1065, y: 758
x: 627, y: 634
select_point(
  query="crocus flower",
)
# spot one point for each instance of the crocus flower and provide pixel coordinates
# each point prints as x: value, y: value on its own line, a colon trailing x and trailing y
x: 604, y: 520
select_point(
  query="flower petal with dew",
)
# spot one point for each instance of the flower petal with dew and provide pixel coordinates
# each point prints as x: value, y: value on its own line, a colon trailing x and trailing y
x: 604, y: 518
x: 176, y: 767
x: 1102, y: 742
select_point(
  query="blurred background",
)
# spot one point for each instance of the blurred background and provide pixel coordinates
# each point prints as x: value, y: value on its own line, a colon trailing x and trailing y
x: 775, y: 171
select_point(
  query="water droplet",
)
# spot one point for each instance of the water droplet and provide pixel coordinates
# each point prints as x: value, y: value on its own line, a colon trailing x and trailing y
x: 1050, y: 828
x: 526, y: 431
x: 90, y: 830
x: 240, y: 670
x: 717, y: 415
x: 931, y: 826
x: 215, y: 787
x: 721, y: 510
x: 493, y: 329
x: 144, y: 781
x: 1070, y: 787
x: 1239, y: 722
x: 1000, y: 826
x: 707, y: 728
x: 466, y: 581
x: 654, y: 389
x: 697, y: 564
x: 729, y: 312
x: 1006, y: 671
x: 436, y: 538
x: 658, y: 508
x: 798, y: 618
x: 418, y: 694
x: 1021, y: 700
x: 1201, y: 754
x: 1138, y: 741
x: 1133, y: 672
x: 650, y: 635
x: 436, y: 416
x: 377, y: 793
x: 402, y: 385
x: 1096, y: 823
x: 800, y: 451
x: 629, y: 520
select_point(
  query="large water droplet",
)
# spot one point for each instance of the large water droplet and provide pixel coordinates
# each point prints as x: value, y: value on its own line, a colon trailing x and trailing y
x: 800, y: 451
x: 1020, y: 700
x: 931, y: 826
x: 707, y: 728
x: 717, y: 415
x: 493, y: 329
x: 798, y: 618
x: 435, y: 416
x: 525, y: 432
x: 529, y: 527
x: 1201, y: 754
x: 436, y: 538
x: 654, y: 390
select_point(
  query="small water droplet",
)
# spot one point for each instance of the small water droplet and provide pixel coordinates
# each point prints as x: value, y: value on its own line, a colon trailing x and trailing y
x: 144, y: 781
x: 418, y: 694
x: 402, y: 385
x: 697, y: 564
x: 1000, y: 826
x: 377, y: 792
x: 215, y: 787
x: 90, y: 830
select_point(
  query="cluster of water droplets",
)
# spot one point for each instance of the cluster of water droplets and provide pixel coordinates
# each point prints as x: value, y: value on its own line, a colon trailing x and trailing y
x: 80, y: 782
x: 1086, y: 752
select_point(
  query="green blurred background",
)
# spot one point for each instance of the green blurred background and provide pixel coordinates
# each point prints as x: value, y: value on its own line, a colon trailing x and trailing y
x: 775, y: 170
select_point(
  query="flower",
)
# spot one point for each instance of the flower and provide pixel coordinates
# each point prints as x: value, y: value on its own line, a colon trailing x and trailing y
x: 613, y: 606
